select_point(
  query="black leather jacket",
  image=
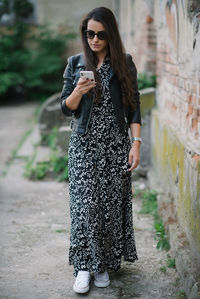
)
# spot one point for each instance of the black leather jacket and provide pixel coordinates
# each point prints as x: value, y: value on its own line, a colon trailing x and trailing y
x: 81, y: 115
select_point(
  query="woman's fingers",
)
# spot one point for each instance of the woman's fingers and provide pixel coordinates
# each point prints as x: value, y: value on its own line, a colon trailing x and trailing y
x: 134, y: 165
x: 84, y: 85
x: 86, y: 88
x: 85, y: 82
x: 134, y: 158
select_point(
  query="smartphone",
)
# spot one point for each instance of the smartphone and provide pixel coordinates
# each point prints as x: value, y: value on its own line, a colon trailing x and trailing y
x: 87, y: 75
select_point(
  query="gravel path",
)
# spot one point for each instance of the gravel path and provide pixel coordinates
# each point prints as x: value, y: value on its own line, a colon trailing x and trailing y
x: 35, y: 235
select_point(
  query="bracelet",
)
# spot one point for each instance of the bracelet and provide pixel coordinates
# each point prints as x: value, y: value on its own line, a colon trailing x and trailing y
x: 136, y: 139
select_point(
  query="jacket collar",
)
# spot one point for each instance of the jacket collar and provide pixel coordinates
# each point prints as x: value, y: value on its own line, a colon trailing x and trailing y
x: 81, y: 61
x: 81, y: 64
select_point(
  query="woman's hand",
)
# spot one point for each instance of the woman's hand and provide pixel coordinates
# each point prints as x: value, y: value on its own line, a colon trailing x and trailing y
x: 134, y: 155
x: 83, y: 86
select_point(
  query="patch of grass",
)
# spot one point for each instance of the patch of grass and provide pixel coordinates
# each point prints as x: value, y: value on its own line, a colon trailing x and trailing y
x: 40, y: 170
x: 57, y: 164
x: 163, y: 269
x: 171, y: 263
x: 181, y: 295
x: 149, y: 203
x: 150, y: 206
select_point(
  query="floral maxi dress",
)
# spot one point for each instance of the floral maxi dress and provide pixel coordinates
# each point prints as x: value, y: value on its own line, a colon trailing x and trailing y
x: 100, y: 190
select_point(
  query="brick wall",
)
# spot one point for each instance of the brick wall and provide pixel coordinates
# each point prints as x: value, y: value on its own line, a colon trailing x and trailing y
x: 177, y: 70
x: 138, y: 33
x: 166, y: 40
x: 180, y: 93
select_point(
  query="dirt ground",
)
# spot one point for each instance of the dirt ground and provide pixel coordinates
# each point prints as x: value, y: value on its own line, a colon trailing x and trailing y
x: 35, y: 235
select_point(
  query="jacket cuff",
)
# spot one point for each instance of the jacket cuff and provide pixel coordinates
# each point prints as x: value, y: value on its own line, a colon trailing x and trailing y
x: 65, y: 109
x: 135, y: 116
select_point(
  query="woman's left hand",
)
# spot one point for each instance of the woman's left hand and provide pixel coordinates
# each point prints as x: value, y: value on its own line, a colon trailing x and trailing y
x: 134, y: 155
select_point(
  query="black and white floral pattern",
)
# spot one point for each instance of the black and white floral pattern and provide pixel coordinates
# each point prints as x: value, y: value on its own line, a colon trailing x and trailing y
x: 100, y: 190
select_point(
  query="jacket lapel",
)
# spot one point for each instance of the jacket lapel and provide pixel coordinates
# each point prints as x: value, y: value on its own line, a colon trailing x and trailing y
x: 81, y: 62
x: 112, y: 73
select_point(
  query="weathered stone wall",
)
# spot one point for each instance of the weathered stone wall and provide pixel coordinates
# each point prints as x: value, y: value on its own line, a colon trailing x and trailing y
x: 176, y: 122
x: 69, y: 13
x: 138, y: 32
x: 165, y: 37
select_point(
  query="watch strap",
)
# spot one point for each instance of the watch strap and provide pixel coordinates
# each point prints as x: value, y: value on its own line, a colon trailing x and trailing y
x: 136, y: 139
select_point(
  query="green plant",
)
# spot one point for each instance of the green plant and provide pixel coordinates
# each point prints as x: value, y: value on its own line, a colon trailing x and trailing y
x: 163, y: 269
x: 39, y: 171
x: 20, y: 8
x: 33, y: 61
x: 145, y: 81
x: 163, y: 242
x: 171, y: 263
x: 149, y: 202
x: 4, y: 7
x: 23, y: 8
x: 150, y: 206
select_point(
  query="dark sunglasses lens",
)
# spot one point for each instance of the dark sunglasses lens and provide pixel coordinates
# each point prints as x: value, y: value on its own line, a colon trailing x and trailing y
x: 90, y: 34
x: 101, y: 35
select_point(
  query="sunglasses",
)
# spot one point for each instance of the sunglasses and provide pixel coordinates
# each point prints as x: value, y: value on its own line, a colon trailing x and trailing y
x: 102, y: 35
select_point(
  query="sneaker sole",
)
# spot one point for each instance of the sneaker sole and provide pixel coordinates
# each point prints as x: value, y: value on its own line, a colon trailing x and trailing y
x: 100, y: 284
x: 81, y: 291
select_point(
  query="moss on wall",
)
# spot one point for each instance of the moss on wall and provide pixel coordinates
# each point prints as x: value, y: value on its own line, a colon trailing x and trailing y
x: 178, y: 168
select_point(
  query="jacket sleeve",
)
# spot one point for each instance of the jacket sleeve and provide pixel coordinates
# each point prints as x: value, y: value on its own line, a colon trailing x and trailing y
x: 68, y: 87
x: 135, y: 115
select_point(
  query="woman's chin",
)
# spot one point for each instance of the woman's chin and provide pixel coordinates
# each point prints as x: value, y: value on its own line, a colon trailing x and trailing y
x: 96, y: 49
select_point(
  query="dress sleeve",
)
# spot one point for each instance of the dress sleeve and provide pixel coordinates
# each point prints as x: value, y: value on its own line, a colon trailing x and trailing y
x: 135, y: 115
x: 68, y: 87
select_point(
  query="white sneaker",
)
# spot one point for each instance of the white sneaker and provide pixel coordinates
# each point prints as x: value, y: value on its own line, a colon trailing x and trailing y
x: 101, y: 280
x: 81, y: 284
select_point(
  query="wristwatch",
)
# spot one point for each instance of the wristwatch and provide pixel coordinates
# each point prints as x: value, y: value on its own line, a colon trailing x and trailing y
x: 136, y: 139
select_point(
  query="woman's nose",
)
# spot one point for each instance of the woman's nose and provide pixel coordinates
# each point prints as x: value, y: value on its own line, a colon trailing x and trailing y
x: 95, y: 38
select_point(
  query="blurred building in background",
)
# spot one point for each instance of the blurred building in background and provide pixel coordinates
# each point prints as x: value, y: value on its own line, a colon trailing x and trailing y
x: 68, y: 12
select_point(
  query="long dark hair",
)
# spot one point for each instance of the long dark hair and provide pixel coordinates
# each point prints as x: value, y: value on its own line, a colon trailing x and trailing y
x: 115, y: 50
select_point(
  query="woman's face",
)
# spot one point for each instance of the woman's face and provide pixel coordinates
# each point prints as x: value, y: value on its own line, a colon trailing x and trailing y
x: 96, y: 45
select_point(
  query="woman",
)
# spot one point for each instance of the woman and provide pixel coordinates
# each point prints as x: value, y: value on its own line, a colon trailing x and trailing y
x: 101, y: 156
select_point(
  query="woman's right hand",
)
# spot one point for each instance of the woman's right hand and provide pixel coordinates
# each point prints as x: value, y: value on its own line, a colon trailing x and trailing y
x: 84, y: 85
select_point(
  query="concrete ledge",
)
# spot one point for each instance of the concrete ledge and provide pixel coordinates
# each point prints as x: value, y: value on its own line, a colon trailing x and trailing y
x: 147, y: 99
